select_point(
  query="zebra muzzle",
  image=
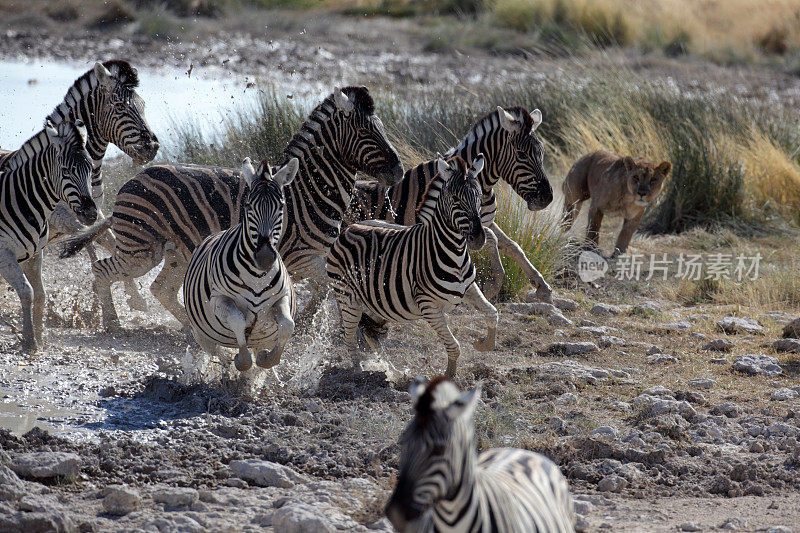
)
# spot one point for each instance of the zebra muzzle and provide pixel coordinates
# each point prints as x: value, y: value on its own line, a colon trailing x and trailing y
x: 477, y: 236
x: 266, y: 254
x: 86, y: 210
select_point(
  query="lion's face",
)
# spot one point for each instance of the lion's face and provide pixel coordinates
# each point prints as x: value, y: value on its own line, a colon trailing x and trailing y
x: 645, y: 180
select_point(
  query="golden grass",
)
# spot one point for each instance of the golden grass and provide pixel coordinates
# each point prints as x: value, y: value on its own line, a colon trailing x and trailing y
x: 711, y: 27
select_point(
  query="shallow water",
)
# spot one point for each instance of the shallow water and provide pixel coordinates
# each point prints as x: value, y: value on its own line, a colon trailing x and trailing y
x: 30, y: 91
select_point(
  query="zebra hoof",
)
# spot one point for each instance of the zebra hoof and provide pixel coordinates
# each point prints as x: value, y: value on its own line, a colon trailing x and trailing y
x: 268, y: 359
x: 243, y: 360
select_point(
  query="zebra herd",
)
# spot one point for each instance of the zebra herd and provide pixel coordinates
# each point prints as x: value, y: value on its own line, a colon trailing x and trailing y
x: 395, y: 249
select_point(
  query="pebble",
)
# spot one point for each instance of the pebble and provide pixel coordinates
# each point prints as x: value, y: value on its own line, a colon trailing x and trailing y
x: 612, y: 483
x: 565, y: 304
x: 661, y: 358
x: 702, y: 383
x: 787, y: 345
x: 597, y: 330
x: 718, y: 360
x: 567, y: 399
x: 570, y: 349
x: 601, y: 309
x: 605, y: 431
x: 266, y: 473
x: 572, y: 371
x: 735, y: 324
x: 46, y: 464
x: 718, y: 345
x: 757, y: 364
x: 680, y: 325
x: 784, y: 394
x: 647, y: 309
x: 728, y: 409
x: 583, y: 507
x: 559, y: 320
x: 534, y: 308
x: 176, y: 496
x: 690, y: 526
x: 606, y: 341
x: 120, y: 500
x: 298, y: 517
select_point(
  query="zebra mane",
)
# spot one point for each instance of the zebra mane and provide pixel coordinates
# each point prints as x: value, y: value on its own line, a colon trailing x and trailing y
x: 489, y: 123
x: 427, y: 206
x: 361, y: 99
x: 428, y: 400
x: 29, y: 149
x: 121, y: 70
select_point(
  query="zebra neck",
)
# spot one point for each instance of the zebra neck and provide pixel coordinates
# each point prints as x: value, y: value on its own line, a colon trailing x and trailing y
x: 464, y: 492
x: 82, y: 103
x: 31, y: 151
x: 483, y: 138
x: 441, y: 228
x: 32, y: 178
x: 322, y: 171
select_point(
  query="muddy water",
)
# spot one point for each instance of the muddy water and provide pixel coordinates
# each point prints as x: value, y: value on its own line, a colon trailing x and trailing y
x: 30, y: 91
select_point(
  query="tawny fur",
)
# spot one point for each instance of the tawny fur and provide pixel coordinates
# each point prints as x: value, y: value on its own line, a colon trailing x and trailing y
x: 616, y: 185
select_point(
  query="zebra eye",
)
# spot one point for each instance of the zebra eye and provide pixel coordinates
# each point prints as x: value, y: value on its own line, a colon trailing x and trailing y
x: 438, y: 449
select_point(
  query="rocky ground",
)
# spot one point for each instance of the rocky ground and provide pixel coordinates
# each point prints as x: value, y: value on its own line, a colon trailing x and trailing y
x: 661, y: 416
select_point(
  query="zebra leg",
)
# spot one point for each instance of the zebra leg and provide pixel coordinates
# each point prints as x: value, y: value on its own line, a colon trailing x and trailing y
x: 436, y: 319
x: 13, y: 274
x: 350, y: 312
x: 513, y: 250
x: 232, y: 318
x: 119, y: 267
x: 495, y: 283
x: 282, y: 312
x: 33, y: 271
x: 475, y: 297
x: 167, y: 284
x: 317, y: 282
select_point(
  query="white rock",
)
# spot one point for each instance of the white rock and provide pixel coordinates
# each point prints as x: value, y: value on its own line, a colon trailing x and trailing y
x: 729, y: 409
x: 266, y: 473
x: 755, y: 363
x: 567, y: 399
x: 718, y: 345
x: 659, y: 406
x: 601, y: 309
x: 690, y: 526
x: 680, y: 325
x: 572, y: 371
x: 570, y: 349
x: 647, y: 309
x: 597, y: 330
x: 120, y: 500
x: 612, y: 483
x: 605, y: 431
x: 606, y: 341
x: 11, y: 486
x: 735, y: 324
x: 297, y: 517
x: 702, y: 383
x: 534, y: 308
x: 46, y: 464
x: 559, y: 320
x: 565, y: 304
x: 660, y: 391
x: 176, y: 496
x: 661, y: 358
x: 583, y: 507
x: 784, y: 394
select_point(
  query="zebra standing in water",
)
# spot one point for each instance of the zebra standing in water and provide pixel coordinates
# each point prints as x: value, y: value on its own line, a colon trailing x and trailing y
x: 105, y: 100
x: 513, y: 152
x: 237, y: 291
x: 444, y: 486
x: 167, y: 210
x: 51, y: 166
x: 405, y: 273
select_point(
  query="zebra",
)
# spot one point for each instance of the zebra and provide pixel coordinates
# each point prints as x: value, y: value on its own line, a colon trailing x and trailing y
x: 444, y: 485
x: 237, y: 291
x: 51, y: 166
x: 104, y: 98
x: 167, y: 210
x: 513, y: 152
x: 405, y: 273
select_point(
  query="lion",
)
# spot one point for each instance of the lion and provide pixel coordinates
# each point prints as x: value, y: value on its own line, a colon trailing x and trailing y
x: 616, y: 185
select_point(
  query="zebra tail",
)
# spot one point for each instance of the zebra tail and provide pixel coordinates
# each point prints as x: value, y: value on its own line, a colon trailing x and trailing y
x: 75, y: 244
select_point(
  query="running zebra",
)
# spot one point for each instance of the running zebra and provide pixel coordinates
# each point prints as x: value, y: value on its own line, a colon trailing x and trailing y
x: 51, y: 166
x: 513, y: 152
x: 167, y: 210
x: 405, y: 273
x: 105, y: 100
x: 444, y: 485
x: 237, y: 291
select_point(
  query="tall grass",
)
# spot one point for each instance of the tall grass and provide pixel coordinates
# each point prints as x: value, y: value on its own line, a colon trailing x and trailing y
x: 733, y: 161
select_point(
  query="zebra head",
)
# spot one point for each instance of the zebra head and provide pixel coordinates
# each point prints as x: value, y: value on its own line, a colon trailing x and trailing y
x: 363, y: 142
x: 263, y: 211
x: 522, y: 161
x: 121, y: 111
x: 73, y: 168
x: 436, y: 447
x: 462, y: 192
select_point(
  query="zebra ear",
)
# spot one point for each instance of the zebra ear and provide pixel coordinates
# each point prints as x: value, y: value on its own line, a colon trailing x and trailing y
x: 441, y: 166
x: 536, y: 115
x: 477, y: 165
x: 248, y: 172
x: 507, y: 120
x: 52, y: 132
x: 342, y: 102
x: 286, y: 174
x: 104, y: 78
x: 81, y: 130
x: 416, y: 388
x: 464, y: 405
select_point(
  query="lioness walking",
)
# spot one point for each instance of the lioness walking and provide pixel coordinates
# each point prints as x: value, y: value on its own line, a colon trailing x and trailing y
x: 617, y: 185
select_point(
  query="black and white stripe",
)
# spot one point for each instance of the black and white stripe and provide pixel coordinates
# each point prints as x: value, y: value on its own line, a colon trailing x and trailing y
x: 52, y: 166
x: 444, y: 486
x: 405, y: 273
x: 237, y: 291
x: 167, y: 210
x: 513, y: 152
